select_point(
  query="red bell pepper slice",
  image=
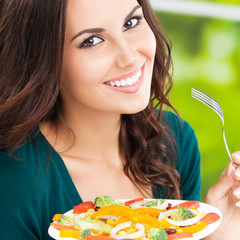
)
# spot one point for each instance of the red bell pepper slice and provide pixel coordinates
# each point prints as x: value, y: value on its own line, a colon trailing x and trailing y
x: 95, y: 237
x: 179, y: 235
x: 83, y: 207
x: 60, y: 226
x: 127, y: 203
x: 187, y: 204
x: 210, y: 218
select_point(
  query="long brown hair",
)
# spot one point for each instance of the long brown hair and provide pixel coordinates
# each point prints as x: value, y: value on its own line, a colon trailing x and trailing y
x: 31, y: 50
x: 31, y: 46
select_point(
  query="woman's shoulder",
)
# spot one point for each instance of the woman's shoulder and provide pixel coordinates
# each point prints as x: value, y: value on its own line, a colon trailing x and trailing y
x: 25, y: 165
x: 32, y: 189
x: 176, y: 124
x: 180, y: 129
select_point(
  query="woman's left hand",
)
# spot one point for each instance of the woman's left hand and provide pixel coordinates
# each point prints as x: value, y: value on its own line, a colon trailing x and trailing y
x: 225, y: 195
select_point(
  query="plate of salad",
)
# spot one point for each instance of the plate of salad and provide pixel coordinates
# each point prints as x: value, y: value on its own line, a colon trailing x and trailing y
x: 141, y: 219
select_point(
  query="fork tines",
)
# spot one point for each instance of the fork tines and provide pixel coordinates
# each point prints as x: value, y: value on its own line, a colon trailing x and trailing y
x: 204, y: 98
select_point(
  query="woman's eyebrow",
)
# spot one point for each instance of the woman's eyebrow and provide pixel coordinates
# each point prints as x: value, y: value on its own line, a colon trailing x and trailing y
x: 99, y: 30
x: 132, y: 12
x: 90, y: 30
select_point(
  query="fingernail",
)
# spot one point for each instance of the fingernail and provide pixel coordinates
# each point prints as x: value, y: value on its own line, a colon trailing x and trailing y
x: 237, y: 204
x: 236, y: 155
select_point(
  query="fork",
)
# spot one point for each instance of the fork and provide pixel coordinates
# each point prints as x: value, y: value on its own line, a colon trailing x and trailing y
x: 214, y: 105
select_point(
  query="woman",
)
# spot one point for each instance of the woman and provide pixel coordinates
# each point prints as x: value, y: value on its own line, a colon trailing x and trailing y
x: 79, y: 87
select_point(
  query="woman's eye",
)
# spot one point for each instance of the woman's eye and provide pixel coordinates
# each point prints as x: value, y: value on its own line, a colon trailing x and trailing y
x: 131, y: 23
x: 90, y: 42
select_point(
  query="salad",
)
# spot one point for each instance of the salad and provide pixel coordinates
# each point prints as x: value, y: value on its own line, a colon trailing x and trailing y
x: 140, y: 219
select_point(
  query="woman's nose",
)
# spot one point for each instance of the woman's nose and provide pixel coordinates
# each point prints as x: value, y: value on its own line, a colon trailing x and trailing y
x: 127, y: 55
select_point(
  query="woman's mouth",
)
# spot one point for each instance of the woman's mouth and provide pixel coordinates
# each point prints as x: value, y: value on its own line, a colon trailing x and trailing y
x: 129, y: 81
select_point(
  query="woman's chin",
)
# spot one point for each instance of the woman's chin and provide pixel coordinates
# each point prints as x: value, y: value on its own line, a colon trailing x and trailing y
x: 136, y: 109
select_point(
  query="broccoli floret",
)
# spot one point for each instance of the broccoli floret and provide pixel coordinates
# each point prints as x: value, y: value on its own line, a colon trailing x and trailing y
x: 157, y: 234
x: 66, y: 220
x: 154, y: 203
x: 182, y: 214
x: 85, y: 232
x: 103, y: 200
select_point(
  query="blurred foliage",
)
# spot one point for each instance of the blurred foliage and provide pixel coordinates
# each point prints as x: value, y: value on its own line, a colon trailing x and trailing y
x: 220, y: 1
x: 206, y: 56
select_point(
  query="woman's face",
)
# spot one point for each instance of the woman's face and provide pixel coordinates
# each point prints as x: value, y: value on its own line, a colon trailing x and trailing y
x: 108, y: 57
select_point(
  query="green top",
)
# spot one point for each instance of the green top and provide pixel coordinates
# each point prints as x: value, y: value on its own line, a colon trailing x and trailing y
x: 34, y: 189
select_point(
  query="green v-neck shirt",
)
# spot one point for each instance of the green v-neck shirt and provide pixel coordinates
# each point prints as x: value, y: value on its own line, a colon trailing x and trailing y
x: 38, y: 185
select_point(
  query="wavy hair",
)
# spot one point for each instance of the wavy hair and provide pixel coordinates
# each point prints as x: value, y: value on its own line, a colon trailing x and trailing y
x: 145, y: 141
x: 31, y: 49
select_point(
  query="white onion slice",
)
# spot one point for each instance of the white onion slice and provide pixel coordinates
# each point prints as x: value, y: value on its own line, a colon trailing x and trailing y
x: 162, y: 206
x: 182, y: 223
x: 122, y: 226
x: 138, y: 204
x: 84, y: 225
x: 112, y: 217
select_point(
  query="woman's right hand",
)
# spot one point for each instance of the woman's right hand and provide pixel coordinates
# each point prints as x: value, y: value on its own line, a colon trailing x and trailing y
x: 225, y: 195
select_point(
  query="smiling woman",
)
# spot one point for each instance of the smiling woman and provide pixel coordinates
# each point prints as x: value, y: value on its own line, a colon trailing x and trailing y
x: 107, y: 51
x: 82, y: 87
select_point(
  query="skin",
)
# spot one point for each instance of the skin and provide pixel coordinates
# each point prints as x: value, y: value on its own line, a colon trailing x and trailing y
x: 93, y: 109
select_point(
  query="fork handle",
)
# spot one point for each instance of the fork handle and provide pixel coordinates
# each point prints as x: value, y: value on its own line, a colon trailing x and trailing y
x: 229, y: 154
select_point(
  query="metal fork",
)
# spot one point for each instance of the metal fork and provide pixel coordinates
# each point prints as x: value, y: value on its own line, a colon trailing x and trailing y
x: 214, y: 105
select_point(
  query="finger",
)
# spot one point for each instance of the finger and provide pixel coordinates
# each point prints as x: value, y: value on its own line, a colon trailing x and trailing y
x: 222, y: 187
x: 236, y: 157
x: 237, y: 193
x: 238, y: 204
x: 237, y: 174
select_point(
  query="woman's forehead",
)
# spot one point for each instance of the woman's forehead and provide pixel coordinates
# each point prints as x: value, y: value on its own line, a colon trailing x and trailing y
x: 95, y: 11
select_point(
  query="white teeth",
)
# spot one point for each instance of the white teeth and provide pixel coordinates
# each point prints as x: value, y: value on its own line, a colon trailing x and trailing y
x: 118, y: 84
x: 126, y: 82
x: 123, y: 83
x: 129, y: 81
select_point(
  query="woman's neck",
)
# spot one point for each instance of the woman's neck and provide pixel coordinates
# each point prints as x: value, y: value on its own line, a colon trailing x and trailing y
x: 86, y: 135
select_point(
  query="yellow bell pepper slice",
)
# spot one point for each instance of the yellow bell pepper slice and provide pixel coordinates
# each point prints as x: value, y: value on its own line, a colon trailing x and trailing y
x: 151, y: 211
x: 56, y: 217
x: 122, y: 219
x: 114, y: 210
x: 195, y: 228
x: 165, y: 224
x: 65, y: 233
x: 146, y: 219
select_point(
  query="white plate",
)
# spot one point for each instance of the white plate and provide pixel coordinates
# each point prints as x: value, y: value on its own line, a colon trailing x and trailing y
x: 199, y: 235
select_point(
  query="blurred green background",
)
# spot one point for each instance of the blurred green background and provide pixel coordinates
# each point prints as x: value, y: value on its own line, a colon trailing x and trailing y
x: 206, y: 56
